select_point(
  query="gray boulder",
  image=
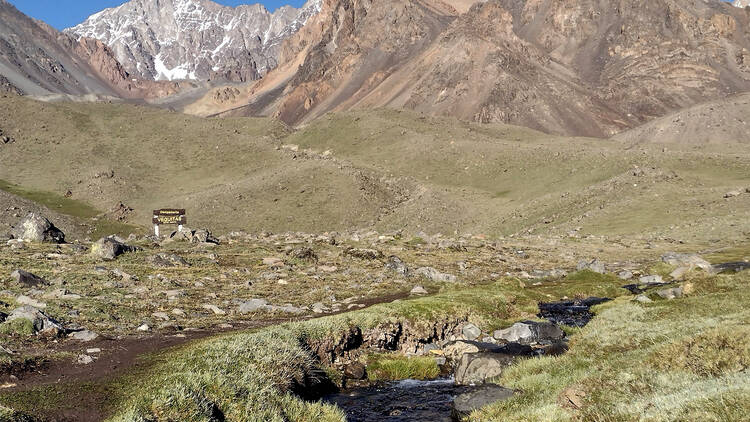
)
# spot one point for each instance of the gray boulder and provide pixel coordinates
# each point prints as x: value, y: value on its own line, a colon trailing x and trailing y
x: 531, y: 332
x: 435, y: 275
x: 482, y: 396
x: 477, y: 368
x: 27, y: 279
x: 418, y: 290
x: 396, y: 265
x: 167, y: 260
x: 40, y: 322
x: 686, y: 260
x: 651, y: 280
x: 109, y: 248
x: 204, y: 236
x: 252, y: 305
x: 471, y: 332
x: 84, y: 335
x: 593, y: 265
x: 36, y: 228
x: 625, y: 275
x: 669, y: 294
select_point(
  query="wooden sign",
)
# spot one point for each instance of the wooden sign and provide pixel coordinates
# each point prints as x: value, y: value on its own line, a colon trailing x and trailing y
x: 169, y: 216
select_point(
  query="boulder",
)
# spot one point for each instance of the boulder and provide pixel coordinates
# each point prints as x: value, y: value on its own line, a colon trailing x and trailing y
x: 686, y: 260
x: 518, y: 332
x: 480, y: 397
x: 531, y: 332
x: 651, y: 279
x: 396, y: 265
x: 253, y: 305
x: 40, y: 322
x: 669, y: 294
x: 471, y: 332
x: 36, y: 228
x: 355, y: 371
x: 85, y: 359
x: 215, y: 309
x: 477, y: 368
x: 455, y: 349
x: 84, y: 335
x: 203, y: 236
x: 27, y: 279
x: 109, y: 248
x: 435, y: 275
x: 593, y: 265
x: 167, y: 260
x: 625, y: 275
x: 643, y: 299
x: 418, y: 290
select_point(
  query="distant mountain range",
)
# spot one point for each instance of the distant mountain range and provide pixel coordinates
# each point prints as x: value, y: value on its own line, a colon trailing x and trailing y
x: 589, y: 67
x: 195, y: 39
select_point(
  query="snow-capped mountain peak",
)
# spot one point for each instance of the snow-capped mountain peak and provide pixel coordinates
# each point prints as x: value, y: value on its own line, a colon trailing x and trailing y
x: 195, y: 39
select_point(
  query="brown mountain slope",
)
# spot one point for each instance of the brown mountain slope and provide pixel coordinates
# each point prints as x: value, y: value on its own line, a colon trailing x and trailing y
x: 36, y: 59
x: 720, y: 121
x: 591, y: 67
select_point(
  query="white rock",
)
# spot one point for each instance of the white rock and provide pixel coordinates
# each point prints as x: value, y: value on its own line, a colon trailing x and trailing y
x: 215, y: 309
x: 418, y: 290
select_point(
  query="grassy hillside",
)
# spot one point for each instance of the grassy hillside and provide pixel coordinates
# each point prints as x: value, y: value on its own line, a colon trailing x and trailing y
x: 381, y: 168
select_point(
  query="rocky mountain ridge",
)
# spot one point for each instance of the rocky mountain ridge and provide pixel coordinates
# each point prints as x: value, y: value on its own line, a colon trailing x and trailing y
x: 36, y: 59
x: 592, y: 67
x: 195, y: 39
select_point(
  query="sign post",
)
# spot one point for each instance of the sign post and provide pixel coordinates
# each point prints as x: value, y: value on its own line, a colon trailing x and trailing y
x: 169, y: 216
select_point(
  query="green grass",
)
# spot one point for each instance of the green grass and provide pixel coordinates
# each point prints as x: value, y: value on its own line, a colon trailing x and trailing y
x: 19, y: 327
x: 249, y: 376
x: 685, y: 359
x: 389, y: 367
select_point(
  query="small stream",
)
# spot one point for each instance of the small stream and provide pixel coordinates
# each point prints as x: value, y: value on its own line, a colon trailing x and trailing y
x: 413, y: 400
x: 400, y: 401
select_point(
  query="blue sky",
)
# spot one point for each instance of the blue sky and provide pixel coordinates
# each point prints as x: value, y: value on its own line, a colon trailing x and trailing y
x: 65, y: 13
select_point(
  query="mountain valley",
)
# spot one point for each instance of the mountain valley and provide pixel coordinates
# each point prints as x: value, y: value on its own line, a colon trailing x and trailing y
x: 358, y: 210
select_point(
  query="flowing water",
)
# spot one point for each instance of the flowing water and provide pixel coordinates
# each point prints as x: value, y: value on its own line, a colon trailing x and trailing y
x: 400, y: 401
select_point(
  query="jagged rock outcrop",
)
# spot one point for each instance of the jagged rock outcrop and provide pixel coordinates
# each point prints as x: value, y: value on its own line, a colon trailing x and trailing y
x: 195, y: 39
x: 591, y: 67
x: 36, y: 59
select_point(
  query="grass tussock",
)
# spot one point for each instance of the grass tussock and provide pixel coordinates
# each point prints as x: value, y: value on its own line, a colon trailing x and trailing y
x: 396, y: 367
x: 709, y: 354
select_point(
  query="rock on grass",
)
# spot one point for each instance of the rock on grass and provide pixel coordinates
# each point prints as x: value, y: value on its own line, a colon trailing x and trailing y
x: 37, y: 228
x: 109, y: 248
x: 27, y: 279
